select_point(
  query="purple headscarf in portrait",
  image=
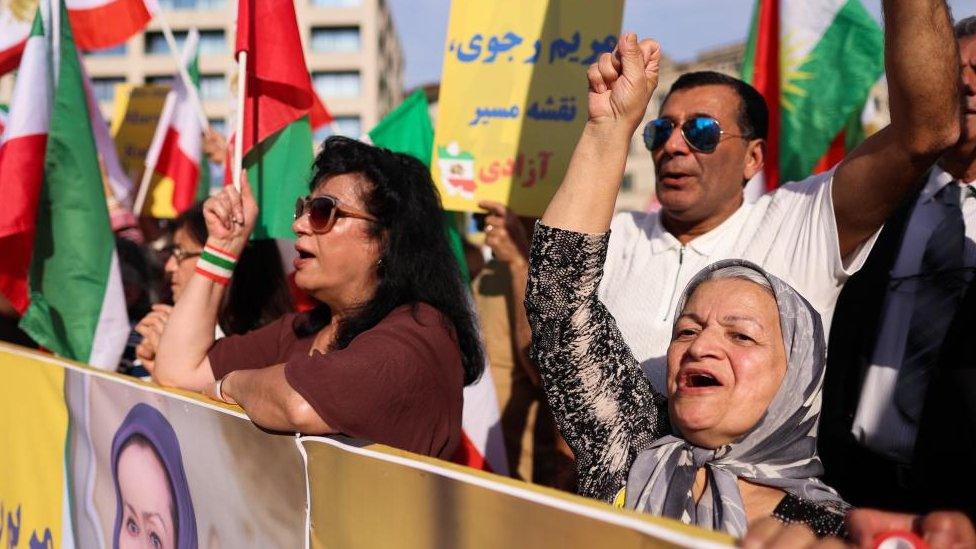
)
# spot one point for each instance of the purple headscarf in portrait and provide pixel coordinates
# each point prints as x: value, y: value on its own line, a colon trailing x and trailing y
x: 146, y: 422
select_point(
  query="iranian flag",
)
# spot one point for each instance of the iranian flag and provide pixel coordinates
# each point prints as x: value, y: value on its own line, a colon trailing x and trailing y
x: 15, y: 26
x: 176, y: 151
x: 102, y: 24
x: 97, y: 24
x: 60, y: 267
x: 3, y: 119
x: 280, y: 109
x: 407, y: 129
x: 815, y: 62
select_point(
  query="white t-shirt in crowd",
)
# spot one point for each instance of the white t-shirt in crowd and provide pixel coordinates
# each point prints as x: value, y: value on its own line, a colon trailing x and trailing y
x: 791, y: 232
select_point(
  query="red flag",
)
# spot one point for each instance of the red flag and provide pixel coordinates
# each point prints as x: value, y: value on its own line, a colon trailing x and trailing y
x: 766, y: 79
x: 279, y: 88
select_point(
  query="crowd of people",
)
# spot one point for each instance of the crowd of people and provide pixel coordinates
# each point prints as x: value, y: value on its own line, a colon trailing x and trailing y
x: 785, y: 369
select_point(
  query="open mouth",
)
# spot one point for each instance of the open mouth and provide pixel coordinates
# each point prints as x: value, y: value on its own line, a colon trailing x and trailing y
x: 699, y: 379
x: 305, y: 255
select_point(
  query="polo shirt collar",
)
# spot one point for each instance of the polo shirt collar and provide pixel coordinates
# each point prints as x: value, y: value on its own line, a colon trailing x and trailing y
x: 662, y: 240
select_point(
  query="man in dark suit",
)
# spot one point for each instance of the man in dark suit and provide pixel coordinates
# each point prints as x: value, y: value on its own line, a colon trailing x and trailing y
x: 898, y: 428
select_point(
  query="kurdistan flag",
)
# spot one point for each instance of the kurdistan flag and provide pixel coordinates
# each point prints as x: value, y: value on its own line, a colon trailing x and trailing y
x: 408, y: 130
x: 280, y: 110
x: 815, y: 62
x: 74, y: 303
x: 176, y: 151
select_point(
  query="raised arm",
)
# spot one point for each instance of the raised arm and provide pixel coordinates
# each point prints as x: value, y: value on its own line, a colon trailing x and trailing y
x: 605, y: 407
x: 181, y: 357
x: 621, y: 84
x: 921, y: 61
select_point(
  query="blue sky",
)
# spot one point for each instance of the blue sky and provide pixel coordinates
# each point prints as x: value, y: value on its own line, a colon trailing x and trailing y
x: 684, y: 27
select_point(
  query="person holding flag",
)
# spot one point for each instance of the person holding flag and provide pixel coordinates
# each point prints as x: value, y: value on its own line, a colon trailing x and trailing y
x: 386, y: 353
x: 709, y: 140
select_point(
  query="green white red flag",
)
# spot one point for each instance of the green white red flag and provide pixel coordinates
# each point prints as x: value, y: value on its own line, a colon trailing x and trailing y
x: 60, y: 266
x: 176, y: 151
x: 280, y: 110
x: 97, y: 24
x: 815, y: 62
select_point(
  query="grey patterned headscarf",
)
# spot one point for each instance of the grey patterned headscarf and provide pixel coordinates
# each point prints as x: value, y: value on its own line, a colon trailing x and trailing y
x: 779, y: 451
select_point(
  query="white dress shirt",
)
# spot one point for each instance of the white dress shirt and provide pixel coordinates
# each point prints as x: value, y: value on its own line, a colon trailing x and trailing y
x: 791, y: 232
x: 878, y: 424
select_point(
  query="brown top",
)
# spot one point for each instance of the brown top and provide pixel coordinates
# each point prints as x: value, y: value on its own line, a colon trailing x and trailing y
x: 399, y: 383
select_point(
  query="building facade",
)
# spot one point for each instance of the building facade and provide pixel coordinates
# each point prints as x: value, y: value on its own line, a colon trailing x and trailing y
x: 351, y: 48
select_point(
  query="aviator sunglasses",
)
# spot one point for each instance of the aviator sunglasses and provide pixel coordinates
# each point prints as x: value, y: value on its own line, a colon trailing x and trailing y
x: 324, y: 210
x: 701, y: 133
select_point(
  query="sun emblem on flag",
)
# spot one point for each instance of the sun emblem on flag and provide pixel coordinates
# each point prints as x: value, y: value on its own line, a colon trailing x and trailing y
x: 457, y: 170
x: 790, y: 61
x: 21, y: 10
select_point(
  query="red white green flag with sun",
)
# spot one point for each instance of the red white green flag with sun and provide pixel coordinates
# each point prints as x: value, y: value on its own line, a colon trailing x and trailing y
x: 815, y: 62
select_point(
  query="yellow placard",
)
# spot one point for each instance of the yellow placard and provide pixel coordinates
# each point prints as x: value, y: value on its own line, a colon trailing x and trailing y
x: 513, y: 97
x: 134, y: 117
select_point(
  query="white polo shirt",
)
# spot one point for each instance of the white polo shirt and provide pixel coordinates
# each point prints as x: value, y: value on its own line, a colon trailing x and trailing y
x: 791, y: 232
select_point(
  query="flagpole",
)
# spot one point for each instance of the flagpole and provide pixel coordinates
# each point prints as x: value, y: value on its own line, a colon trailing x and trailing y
x: 239, y: 131
x: 184, y: 75
x: 143, y: 190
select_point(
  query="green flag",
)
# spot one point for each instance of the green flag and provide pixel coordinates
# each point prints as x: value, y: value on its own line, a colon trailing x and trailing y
x: 203, y: 182
x: 77, y: 308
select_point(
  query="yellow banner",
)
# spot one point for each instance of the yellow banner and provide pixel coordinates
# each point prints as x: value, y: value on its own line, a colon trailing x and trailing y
x: 513, y: 97
x: 89, y: 458
x: 33, y: 430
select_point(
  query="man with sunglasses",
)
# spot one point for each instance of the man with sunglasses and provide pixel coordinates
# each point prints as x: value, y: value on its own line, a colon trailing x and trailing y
x: 709, y: 141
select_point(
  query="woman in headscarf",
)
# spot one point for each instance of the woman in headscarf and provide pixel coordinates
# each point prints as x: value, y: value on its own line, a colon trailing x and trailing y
x: 735, y: 439
x: 153, y: 505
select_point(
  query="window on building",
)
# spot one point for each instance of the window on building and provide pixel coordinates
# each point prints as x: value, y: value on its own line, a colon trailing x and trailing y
x: 336, y: 84
x: 160, y: 79
x: 192, y: 4
x: 335, y: 39
x: 218, y: 125
x: 211, y: 41
x: 349, y: 126
x: 103, y: 88
x: 156, y: 42
x: 212, y: 86
x: 107, y: 52
x: 336, y: 3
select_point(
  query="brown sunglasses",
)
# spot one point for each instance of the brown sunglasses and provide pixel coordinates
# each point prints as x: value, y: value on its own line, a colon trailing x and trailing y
x: 324, y: 210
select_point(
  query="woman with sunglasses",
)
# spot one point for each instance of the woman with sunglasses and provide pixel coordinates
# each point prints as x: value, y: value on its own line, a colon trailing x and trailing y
x: 386, y: 353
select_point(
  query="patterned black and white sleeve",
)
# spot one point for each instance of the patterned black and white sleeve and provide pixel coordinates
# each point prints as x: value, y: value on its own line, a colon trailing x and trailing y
x: 604, y: 405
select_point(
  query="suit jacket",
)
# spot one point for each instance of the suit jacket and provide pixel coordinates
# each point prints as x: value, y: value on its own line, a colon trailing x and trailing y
x: 945, y: 449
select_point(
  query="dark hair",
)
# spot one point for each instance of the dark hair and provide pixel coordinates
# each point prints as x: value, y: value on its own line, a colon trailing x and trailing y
x: 753, y: 113
x: 965, y: 27
x: 417, y: 264
x: 258, y: 292
x: 136, y: 277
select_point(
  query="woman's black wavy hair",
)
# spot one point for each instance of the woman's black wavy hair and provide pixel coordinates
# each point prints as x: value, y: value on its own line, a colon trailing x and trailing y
x: 417, y: 264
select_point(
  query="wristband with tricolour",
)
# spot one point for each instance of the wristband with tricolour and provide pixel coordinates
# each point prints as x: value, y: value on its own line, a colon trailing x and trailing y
x: 216, y: 264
